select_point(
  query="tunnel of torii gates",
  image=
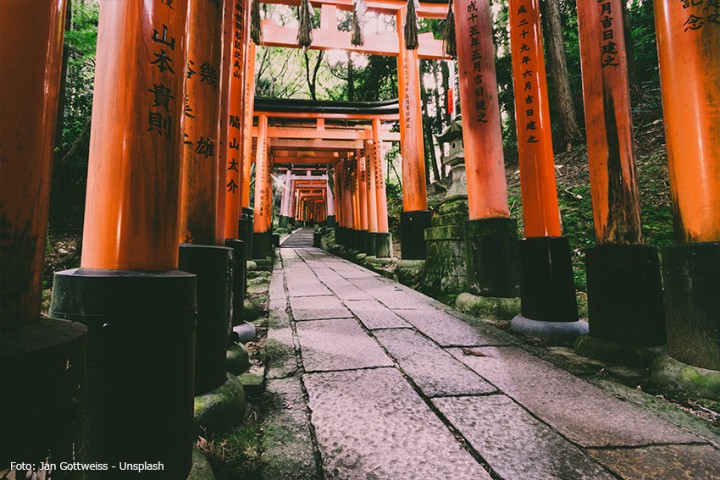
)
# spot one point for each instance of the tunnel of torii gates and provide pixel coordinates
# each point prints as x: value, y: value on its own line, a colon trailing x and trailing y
x: 112, y: 373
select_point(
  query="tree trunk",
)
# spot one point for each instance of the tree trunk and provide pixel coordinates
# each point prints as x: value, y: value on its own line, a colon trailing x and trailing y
x: 351, y: 79
x: 568, y: 129
x: 56, y: 181
x: 427, y: 132
x: 311, y: 77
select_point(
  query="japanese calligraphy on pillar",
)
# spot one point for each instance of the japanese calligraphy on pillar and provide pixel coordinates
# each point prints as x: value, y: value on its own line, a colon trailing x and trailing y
x: 526, y: 86
x: 480, y: 104
x: 162, y: 93
x: 235, y: 107
x: 700, y: 13
x: 608, y: 45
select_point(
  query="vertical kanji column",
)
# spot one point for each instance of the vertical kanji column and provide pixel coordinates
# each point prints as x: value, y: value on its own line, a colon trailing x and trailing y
x: 261, y: 234
x: 286, y: 198
x: 623, y: 275
x: 688, y: 45
x: 491, y: 235
x: 139, y: 309
x: 201, y: 241
x: 548, y: 304
x: 237, y: 46
x: 371, y: 196
x: 42, y: 361
x: 383, y: 241
x: 246, y: 217
x: 416, y: 216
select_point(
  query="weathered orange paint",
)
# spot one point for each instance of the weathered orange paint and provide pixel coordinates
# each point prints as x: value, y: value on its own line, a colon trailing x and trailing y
x: 347, y: 195
x: 382, y: 212
x: 411, y: 136
x: 234, y: 164
x: 482, y: 133
x: 689, y: 54
x: 541, y: 214
x: 362, y: 190
x: 249, y: 99
x: 611, y: 152
x: 225, y: 118
x: 133, y: 193
x: 370, y: 185
x: 31, y: 42
x: 261, y: 179
x: 200, y: 131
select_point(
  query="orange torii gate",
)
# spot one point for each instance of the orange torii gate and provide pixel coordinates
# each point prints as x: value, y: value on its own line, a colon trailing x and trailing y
x: 306, y: 134
x: 138, y: 310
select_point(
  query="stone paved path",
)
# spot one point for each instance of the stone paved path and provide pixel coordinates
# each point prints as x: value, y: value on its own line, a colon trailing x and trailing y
x: 299, y: 239
x: 372, y: 380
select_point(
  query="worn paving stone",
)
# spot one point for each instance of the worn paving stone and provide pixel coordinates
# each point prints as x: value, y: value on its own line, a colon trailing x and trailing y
x: 444, y: 328
x: 691, y: 462
x: 570, y: 405
x: 398, y: 300
x: 432, y: 369
x: 316, y: 308
x: 375, y: 315
x: 348, y: 292
x: 280, y: 353
x: 338, y: 345
x: 287, y: 444
x: 371, y: 424
x: 515, y: 444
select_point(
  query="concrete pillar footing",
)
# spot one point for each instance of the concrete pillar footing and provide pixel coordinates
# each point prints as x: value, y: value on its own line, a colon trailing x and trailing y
x: 696, y: 381
x: 618, y: 353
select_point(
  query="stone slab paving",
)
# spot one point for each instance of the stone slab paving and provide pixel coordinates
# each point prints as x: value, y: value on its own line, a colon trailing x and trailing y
x: 432, y: 369
x: 445, y: 329
x: 394, y: 386
x: 287, y: 442
x: 374, y: 314
x: 691, y: 462
x: 580, y: 411
x: 338, y: 345
x: 316, y: 308
x: 514, y: 443
x: 371, y: 424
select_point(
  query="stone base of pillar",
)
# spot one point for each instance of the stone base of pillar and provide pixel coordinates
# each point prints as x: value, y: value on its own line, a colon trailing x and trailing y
x: 338, y: 234
x: 331, y: 221
x: 261, y: 245
x: 245, y: 332
x: 691, y: 274
x: 625, y: 303
x: 283, y: 221
x: 275, y: 239
x: 43, y: 378
x: 317, y: 239
x: 444, y: 271
x: 547, y: 288
x: 409, y: 272
x: 370, y: 244
x: 383, y: 245
x: 491, y: 257
x: 626, y: 354
x: 211, y: 264
x: 141, y: 344
x: 239, y: 279
x: 245, y: 228
x: 696, y: 381
x: 412, y: 234
x: 560, y: 333
x: 363, y: 240
x: 219, y: 410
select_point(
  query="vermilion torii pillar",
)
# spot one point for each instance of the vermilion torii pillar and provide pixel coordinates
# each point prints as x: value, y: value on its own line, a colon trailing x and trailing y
x: 383, y: 241
x: 491, y: 236
x: 688, y: 45
x: 371, y: 249
x: 416, y: 216
x: 246, y: 218
x: 201, y: 250
x: 285, y: 212
x: 361, y: 162
x: 349, y: 213
x: 262, y: 213
x: 623, y: 276
x: 42, y: 361
x: 237, y: 46
x: 139, y: 309
x: 548, y: 304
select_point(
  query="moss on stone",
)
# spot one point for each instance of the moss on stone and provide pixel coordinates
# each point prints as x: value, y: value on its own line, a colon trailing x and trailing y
x: 488, y: 307
x: 217, y: 411
x: 696, y: 381
x: 238, y: 359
